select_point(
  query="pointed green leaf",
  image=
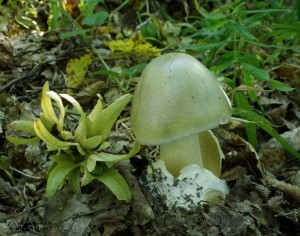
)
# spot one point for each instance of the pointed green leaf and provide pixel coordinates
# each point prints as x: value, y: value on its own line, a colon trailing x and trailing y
x: 60, y: 158
x: 95, y: 113
x: 60, y: 124
x: 48, y: 124
x: 109, y: 115
x: 80, y: 131
x: 107, y: 157
x: 205, y: 47
x: 22, y: 125
x: 280, y: 86
x: 74, y: 180
x: 266, y: 126
x: 58, y: 175
x: 116, y: 183
x: 48, y: 138
x: 243, y: 32
x: 47, y: 106
x: 80, y: 149
x: 256, y: 72
x: 22, y: 141
x: 91, y: 164
x: 87, y: 178
x: 243, y: 103
x: 92, y: 117
x: 92, y: 142
x: 95, y: 19
x: 73, y: 102
x: 103, y: 145
x: 262, y: 74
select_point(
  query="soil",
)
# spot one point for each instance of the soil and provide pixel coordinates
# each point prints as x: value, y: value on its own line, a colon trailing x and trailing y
x: 264, y: 197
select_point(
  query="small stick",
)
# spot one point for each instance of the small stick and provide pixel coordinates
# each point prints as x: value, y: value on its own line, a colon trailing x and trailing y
x: 30, y: 75
x: 292, y: 191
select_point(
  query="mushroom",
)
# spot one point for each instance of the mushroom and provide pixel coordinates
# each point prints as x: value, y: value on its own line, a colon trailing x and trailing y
x: 175, y: 104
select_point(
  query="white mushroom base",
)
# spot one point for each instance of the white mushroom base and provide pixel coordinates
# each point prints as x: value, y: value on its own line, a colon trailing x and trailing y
x: 195, y: 185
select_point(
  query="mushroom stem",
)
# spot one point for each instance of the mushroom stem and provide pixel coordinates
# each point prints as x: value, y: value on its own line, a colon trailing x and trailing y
x: 180, y: 153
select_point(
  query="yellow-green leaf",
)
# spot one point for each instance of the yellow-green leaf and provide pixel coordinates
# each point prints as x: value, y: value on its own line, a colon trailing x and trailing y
x: 90, y: 164
x: 104, y: 122
x: 108, y: 157
x: 96, y: 112
x: 264, y: 124
x: 87, y: 177
x: 48, y: 138
x: 60, y: 124
x: 47, y: 106
x: 57, y: 176
x: 73, y: 101
x: 22, y: 125
x: 21, y: 141
x: 135, y: 46
x: 92, y: 142
x: 74, y: 180
x: 103, y: 146
x: 76, y: 70
x: 116, y: 183
x: 80, y: 131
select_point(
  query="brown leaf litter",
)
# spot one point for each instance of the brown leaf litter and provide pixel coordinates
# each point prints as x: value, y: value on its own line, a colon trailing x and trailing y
x: 261, y: 199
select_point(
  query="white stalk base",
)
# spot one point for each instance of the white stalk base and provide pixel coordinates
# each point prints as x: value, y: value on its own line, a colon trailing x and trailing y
x: 190, y: 189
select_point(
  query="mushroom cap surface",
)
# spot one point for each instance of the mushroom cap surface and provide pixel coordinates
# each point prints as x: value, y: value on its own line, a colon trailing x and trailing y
x: 176, y: 96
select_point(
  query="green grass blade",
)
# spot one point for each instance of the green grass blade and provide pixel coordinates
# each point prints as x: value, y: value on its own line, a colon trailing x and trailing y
x: 242, y: 103
x: 266, y: 126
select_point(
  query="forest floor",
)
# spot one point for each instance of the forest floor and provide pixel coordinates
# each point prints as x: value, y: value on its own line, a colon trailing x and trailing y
x: 264, y: 197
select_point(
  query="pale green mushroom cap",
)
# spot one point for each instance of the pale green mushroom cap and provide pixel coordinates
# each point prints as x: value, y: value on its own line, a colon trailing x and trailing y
x: 177, y: 97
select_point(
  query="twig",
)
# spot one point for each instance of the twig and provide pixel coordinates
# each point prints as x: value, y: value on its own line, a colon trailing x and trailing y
x: 30, y: 75
x: 291, y: 191
x: 23, y: 173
